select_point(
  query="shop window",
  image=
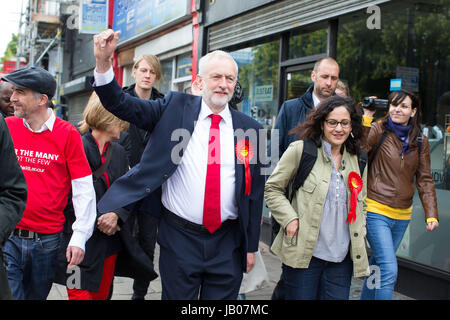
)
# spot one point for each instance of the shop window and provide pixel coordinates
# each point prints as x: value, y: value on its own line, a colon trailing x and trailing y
x: 164, y: 84
x: 176, y: 74
x: 306, y: 42
x: 258, y: 76
x: 184, y: 66
x: 412, y: 44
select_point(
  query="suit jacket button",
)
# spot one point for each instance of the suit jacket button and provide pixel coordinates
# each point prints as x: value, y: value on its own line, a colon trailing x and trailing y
x: 358, y: 257
x: 147, y: 190
x: 165, y: 177
x: 355, y: 234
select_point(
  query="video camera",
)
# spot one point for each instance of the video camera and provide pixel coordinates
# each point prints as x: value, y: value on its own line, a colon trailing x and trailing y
x: 375, y: 104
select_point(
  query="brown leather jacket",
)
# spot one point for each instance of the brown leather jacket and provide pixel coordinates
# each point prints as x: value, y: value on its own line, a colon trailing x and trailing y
x: 391, y: 177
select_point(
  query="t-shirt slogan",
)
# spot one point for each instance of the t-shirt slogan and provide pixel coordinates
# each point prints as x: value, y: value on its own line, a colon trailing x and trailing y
x: 28, y: 158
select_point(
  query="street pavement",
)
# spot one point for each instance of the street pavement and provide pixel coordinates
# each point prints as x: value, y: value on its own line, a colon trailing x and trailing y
x: 123, y: 287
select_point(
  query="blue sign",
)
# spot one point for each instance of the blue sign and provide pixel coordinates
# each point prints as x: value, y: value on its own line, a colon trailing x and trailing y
x: 396, y: 84
x: 94, y: 16
x: 136, y: 17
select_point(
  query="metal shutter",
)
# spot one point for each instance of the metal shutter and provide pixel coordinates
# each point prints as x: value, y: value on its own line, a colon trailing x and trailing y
x: 279, y: 17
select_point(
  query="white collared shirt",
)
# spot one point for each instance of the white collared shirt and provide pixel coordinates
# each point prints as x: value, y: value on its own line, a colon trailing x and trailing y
x: 184, y: 192
x: 316, y: 100
x: 47, y: 124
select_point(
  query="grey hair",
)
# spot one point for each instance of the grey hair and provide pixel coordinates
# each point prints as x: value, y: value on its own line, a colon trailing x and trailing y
x: 204, y: 61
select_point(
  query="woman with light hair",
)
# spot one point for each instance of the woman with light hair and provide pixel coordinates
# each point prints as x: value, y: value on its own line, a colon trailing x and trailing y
x: 108, y: 162
x: 342, y: 89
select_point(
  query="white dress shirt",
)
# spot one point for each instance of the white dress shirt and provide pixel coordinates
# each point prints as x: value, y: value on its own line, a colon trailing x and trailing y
x: 184, y: 192
x: 316, y: 100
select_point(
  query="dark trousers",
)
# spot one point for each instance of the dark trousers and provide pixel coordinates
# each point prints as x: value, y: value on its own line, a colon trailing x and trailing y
x: 196, y: 265
x: 322, y: 280
x: 148, y: 228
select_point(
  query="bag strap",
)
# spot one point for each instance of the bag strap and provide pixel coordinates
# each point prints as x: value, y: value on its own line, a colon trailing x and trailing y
x: 307, y: 160
x: 362, y: 161
x: 98, y: 173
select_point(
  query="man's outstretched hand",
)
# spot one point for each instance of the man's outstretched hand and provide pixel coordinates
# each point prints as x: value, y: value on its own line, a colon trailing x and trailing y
x: 105, y: 43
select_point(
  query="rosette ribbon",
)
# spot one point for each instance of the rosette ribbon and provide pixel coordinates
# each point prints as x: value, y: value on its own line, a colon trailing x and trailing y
x: 355, y: 184
x: 245, y: 152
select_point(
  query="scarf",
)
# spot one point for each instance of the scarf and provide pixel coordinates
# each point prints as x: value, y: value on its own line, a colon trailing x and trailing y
x: 402, y: 132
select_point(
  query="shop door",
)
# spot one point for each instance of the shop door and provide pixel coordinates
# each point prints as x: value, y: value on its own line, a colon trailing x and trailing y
x: 297, y: 80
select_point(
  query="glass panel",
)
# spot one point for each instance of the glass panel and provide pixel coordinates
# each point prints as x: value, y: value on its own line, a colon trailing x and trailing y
x: 258, y: 75
x: 164, y: 84
x: 304, y: 43
x: 184, y: 86
x: 412, y: 44
x: 297, y: 83
x: 184, y: 66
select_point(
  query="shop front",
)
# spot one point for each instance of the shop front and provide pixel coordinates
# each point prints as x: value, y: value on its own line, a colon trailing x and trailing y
x: 160, y: 28
x: 276, y: 44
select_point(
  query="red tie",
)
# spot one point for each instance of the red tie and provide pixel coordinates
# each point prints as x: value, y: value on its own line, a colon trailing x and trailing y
x: 211, y: 205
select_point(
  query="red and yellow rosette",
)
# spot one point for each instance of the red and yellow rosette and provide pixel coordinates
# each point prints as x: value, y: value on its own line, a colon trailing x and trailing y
x: 245, y: 152
x: 355, y: 184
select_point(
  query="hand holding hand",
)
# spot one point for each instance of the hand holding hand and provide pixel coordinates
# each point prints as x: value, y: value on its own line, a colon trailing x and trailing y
x: 107, y: 223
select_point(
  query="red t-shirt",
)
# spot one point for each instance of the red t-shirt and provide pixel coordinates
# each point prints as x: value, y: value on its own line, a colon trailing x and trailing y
x: 50, y: 160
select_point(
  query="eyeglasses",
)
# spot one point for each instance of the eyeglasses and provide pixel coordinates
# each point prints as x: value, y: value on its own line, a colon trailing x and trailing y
x: 333, y: 123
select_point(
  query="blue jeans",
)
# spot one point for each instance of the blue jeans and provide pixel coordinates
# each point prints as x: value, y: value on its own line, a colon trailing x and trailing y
x: 31, y: 265
x: 384, y: 235
x: 322, y: 280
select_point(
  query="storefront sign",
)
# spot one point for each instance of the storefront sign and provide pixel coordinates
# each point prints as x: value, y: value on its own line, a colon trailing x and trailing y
x: 263, y: 93
x: 135, y: 18
x: 93, y: 16
x: 410, y: 78
x: 396, y: 84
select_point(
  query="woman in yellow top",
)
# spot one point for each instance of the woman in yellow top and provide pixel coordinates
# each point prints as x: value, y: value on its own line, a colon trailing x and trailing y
x: 398, y: 154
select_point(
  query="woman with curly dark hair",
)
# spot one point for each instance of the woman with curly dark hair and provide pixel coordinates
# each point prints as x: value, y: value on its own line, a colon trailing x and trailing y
x: 321, y: 239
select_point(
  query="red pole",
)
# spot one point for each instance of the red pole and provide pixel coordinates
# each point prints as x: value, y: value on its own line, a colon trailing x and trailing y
x: 118, y: 71
x: 195, y: 36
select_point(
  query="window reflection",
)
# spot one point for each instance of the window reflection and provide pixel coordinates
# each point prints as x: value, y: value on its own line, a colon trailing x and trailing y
x: 165, y: 83
x: 306, y: 42
x: 412, y: 44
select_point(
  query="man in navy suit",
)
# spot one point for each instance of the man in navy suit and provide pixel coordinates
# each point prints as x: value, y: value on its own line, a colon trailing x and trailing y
x: 207, y: 159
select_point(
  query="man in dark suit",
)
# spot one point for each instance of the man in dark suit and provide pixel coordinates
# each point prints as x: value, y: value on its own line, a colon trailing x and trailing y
x: 207, y: 158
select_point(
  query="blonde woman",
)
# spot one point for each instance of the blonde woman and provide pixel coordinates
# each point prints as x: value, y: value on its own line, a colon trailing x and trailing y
x: 108, y: 161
